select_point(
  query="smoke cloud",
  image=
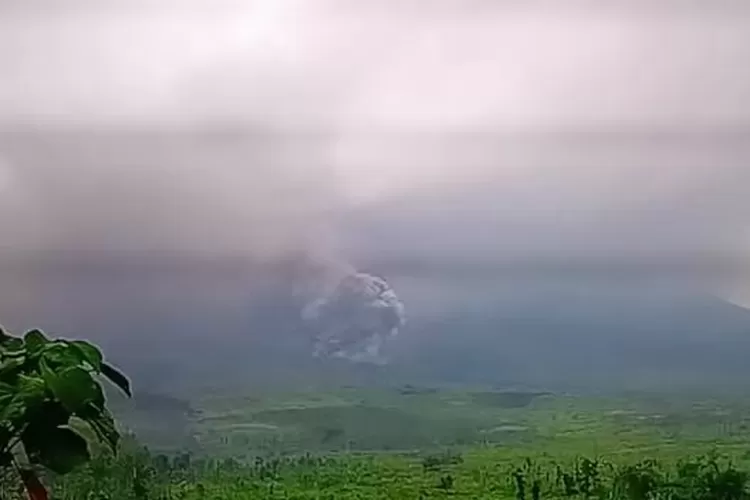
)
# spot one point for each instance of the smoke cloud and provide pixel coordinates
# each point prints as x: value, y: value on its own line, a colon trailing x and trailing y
x: 442, y: 129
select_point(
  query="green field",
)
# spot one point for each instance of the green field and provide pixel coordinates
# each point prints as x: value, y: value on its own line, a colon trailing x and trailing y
x: 410, y: 442
x: 412, y: 419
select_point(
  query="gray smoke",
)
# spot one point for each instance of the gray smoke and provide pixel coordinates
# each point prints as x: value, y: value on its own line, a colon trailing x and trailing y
x: 355, y: 318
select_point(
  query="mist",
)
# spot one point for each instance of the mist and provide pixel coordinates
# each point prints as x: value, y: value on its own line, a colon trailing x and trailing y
x: 338, y: 106
x: 445, y: 144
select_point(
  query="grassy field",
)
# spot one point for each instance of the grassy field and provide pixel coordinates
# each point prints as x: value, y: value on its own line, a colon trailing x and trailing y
x: 412, y: 443
x: 422, y: 420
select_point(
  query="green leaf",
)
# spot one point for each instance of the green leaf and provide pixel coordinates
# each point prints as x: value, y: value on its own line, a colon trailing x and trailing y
x: 5, y: 398
x: 74, y: 387
x: 32, y: 390
x: 103, y: 425
x: 35, y: 341
x: 88, y: 353
x: 60, y: 449
x: 60, y: 355
x: 11, y: 365
x: 10, y: 411
x: 117, y: 378
x: 12, y: 346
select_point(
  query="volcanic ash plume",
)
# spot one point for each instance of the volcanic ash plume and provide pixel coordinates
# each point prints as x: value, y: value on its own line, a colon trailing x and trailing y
x: 353, y: 320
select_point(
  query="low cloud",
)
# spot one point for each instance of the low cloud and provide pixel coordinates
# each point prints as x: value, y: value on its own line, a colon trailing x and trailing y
x: 412, y: 128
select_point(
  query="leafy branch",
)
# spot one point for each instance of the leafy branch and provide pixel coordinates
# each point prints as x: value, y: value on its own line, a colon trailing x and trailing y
x: 45, y: 385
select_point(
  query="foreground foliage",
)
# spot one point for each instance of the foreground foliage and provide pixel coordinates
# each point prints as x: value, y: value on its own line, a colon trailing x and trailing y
x: 50, y: 399
x: 137, y: 475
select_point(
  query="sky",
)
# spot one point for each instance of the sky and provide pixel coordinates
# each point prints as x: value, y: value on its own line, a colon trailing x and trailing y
x: 403, y: 64
x: 441, y: 128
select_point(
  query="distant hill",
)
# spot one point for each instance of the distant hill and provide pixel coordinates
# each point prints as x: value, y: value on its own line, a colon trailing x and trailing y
x: 205, y: 323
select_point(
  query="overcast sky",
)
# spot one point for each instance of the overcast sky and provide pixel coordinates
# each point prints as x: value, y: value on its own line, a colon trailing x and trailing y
x: 404, y: 97
x: 414, y: 63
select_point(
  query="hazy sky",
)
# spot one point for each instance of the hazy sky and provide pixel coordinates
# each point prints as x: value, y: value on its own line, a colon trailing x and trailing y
x: 413, y: 63
x: 404, y: 97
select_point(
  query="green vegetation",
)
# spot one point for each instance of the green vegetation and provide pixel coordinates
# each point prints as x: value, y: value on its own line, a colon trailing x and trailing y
x: 405, y: 442
x: 412, y: 443
x: 377, y: 420
x: 49, y: 400
x: 480, y: 473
